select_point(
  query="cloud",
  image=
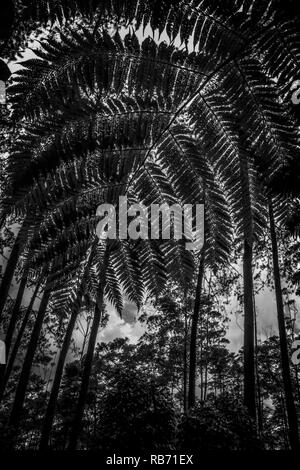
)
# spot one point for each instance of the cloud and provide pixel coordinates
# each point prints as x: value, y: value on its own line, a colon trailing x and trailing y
x: 117, y: 327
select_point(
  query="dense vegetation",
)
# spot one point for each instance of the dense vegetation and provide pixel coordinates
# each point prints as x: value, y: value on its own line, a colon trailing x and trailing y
x: 165, y: 102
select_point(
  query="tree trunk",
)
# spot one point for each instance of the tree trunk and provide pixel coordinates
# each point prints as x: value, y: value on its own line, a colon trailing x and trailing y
x: 246, y: 215
x: 50, y: 412
x: 285, y: 360
x: 11, y: 266
x: 15, y: 312
x: 12, y: 322
x: 194, y: 331
x: 249, y: 349
x: 12, y: 358
x: 88, y: 361
x: 260, y: 401
x: 206, y: 359
x: 257, y: 378
x: 185, y: 347
x: 17, y: 408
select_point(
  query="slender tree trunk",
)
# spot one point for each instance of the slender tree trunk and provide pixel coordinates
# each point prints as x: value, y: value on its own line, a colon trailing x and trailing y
x: 75, y: 432
x: 297, y: 382
x: 194, y: 331
x: 50, y: 412
x: 201, y: 368
x: 185, y: 363
x: 12, y: 357
x: 257, y: 377
x: 284, y: 423
x: 13, y: 321
x: 86, y: 373
x: 206, y: 360
x: 17, y: 408
x: 11, y: 266
x: 206, y: 380
x: 249, y: 340
x: 285, y: 360
x: 15, y: 312
x: 208, y: 342
x: 249, y: 310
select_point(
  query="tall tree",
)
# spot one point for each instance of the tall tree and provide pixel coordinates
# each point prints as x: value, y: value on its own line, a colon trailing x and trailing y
x: 11, y: 359
x: 75, y: 309
x: 17, y: 408
x: 285, y: 357
x: 16, y: 310
x: 89, y: 356
x: 249, y: 342
x: 194, y: 333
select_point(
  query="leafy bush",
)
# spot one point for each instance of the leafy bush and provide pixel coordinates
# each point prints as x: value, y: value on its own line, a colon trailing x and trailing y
x: 218, y: 424
x: 136, y: 413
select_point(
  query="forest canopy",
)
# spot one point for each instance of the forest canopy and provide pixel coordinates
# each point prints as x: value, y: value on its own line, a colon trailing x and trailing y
x: 175, y: 103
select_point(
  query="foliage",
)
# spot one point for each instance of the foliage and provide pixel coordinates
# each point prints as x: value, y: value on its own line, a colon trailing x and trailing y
x: 220, y: 424
x: 200, y: 111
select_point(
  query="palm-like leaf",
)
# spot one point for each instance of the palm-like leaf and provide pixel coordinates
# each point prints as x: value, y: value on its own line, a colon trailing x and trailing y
x: 128, y: 100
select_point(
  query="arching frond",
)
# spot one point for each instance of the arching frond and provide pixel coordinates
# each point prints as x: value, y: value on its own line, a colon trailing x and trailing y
x: 83, y: 65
